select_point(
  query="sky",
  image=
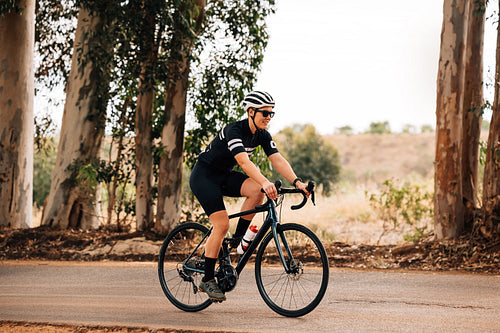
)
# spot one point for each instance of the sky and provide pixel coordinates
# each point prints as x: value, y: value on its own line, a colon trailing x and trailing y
x: 335, y: 63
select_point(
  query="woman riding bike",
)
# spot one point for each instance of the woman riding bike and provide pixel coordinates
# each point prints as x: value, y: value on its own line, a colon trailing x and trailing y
x: 212, y: 178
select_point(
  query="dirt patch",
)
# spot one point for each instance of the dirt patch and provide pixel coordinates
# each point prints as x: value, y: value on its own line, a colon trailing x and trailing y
x: 42, y: 243
x: 24, y: 327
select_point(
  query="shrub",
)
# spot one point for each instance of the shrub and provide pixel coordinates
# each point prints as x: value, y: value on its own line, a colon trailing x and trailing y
x: 311, y: 157
x: 379, y: 127
x: 408, y: 204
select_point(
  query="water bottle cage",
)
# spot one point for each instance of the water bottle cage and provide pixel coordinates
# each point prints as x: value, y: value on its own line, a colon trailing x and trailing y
x: 245, y: 243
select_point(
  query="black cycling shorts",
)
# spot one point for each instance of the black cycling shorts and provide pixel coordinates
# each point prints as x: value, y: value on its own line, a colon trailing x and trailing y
x: 210, y: 185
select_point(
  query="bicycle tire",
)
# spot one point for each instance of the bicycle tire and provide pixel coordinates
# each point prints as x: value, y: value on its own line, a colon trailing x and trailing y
x: 297, y: 293
x: 180, y: 286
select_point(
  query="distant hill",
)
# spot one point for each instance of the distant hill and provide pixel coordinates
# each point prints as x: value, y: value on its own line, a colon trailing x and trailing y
x: 376, y: 157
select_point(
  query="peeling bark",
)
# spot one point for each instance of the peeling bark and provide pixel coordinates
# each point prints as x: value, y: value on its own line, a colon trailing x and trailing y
x: 472, y: 110
x: 143, y: 129
x: 17, y: 35
x: 490, y: 227
x: 82, y: 131
x: 448, y: 205
x: 170, y: 173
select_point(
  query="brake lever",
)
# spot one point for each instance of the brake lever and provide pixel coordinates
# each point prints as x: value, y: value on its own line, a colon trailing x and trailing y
x: 310, y: 189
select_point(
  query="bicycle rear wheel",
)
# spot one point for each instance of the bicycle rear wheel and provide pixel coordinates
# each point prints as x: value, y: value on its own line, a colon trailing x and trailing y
x: 299, y: 291
x: 179, y: 284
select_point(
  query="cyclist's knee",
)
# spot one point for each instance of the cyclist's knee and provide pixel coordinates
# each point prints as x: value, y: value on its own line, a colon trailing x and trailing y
x: 220, y: 222
x: 252, y: 190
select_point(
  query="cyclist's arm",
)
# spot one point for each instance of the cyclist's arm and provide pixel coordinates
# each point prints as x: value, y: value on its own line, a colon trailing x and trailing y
x: 253, y: 172
x: 283, y: 167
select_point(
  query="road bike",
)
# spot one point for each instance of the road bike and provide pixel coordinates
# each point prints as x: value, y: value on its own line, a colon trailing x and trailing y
x: 291, y: 265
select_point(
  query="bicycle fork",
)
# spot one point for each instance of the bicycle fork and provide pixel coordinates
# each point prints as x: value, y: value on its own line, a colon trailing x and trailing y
x: 277, y: 235
x: 272, y: 223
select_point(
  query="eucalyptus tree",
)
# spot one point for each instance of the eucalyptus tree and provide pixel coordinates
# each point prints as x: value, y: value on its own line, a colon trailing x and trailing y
x: 168, y: 57
x: 490, y: 225
x: 147, y: 53
x: 472, y: 109
x: 172, y: 135
x: 17, y: 20
x: 69, y: 204
x: 448, y: 204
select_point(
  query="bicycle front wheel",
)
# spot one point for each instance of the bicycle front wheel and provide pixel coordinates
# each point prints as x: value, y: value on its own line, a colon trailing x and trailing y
x: 178, y: 281
x: 298, y: 291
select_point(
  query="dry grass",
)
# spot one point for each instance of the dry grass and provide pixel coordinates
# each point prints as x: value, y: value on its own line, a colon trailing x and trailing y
x: 345, y: 217
x: 367, y: 160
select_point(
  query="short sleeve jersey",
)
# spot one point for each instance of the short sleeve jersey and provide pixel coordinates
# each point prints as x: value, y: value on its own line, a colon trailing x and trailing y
x: 236, y: 138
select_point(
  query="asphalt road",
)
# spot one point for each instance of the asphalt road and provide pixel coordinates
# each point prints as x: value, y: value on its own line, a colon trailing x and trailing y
x: 129, y: 295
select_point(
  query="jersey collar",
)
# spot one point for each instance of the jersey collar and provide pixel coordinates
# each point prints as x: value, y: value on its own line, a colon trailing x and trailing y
x: 246, y: 127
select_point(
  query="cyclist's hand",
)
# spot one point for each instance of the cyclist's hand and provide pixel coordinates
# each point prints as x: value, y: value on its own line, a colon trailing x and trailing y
x: 303, y: 187
x: 270, y: 190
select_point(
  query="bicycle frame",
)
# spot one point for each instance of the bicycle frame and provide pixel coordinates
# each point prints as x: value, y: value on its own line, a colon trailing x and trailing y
x: 271, y: 222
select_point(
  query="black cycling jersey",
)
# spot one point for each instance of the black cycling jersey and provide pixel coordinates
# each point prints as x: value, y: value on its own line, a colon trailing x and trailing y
x: 235, y: 138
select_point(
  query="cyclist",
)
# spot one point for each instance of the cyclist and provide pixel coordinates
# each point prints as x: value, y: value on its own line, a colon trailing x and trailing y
x: 212, y: 178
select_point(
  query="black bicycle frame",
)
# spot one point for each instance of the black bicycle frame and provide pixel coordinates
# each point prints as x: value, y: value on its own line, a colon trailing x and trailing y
x: 271, y: 222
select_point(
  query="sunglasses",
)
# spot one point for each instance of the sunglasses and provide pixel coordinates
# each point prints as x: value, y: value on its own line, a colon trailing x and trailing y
x: 265, y: 114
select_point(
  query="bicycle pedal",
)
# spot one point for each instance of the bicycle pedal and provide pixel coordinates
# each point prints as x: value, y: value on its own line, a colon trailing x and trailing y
x: 216, y: 300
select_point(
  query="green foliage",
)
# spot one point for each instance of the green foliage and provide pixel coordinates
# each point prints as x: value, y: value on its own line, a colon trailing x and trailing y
x: 224, y: 71
x: 54, y: 34
x: 344, y: 130
x: 224, y: 63
x: 408, y: 128
x: 407, y: 204
x: 44, y: 130
x: 379, y: 128
x: 43, y: 165
x: 87, y: 178
x: 44, y: 157
x: 426, y: 129
x: 483, y: 148
x: 311, y: 157
x: 10, y: 6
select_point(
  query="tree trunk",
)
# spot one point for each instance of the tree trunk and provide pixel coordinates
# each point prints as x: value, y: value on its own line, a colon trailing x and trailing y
x: 82, y: 131
x: 17, y: 33
x: 170, y: 173
x: 472, y: 110
x: 448, y: 205
x: 143, y: 128
x: 491, y: 185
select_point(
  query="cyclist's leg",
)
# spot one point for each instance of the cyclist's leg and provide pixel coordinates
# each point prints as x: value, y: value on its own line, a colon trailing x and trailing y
x: 220, y: 223
x: 240, y: 185
x: 206, y: 185
x: 250, y: 189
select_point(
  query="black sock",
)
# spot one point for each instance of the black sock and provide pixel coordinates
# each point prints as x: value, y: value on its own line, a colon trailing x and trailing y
x: 209, y: 269
x: 241, y: 227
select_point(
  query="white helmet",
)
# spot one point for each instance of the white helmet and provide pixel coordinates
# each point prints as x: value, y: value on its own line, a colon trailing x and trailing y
x: 257, y: 99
